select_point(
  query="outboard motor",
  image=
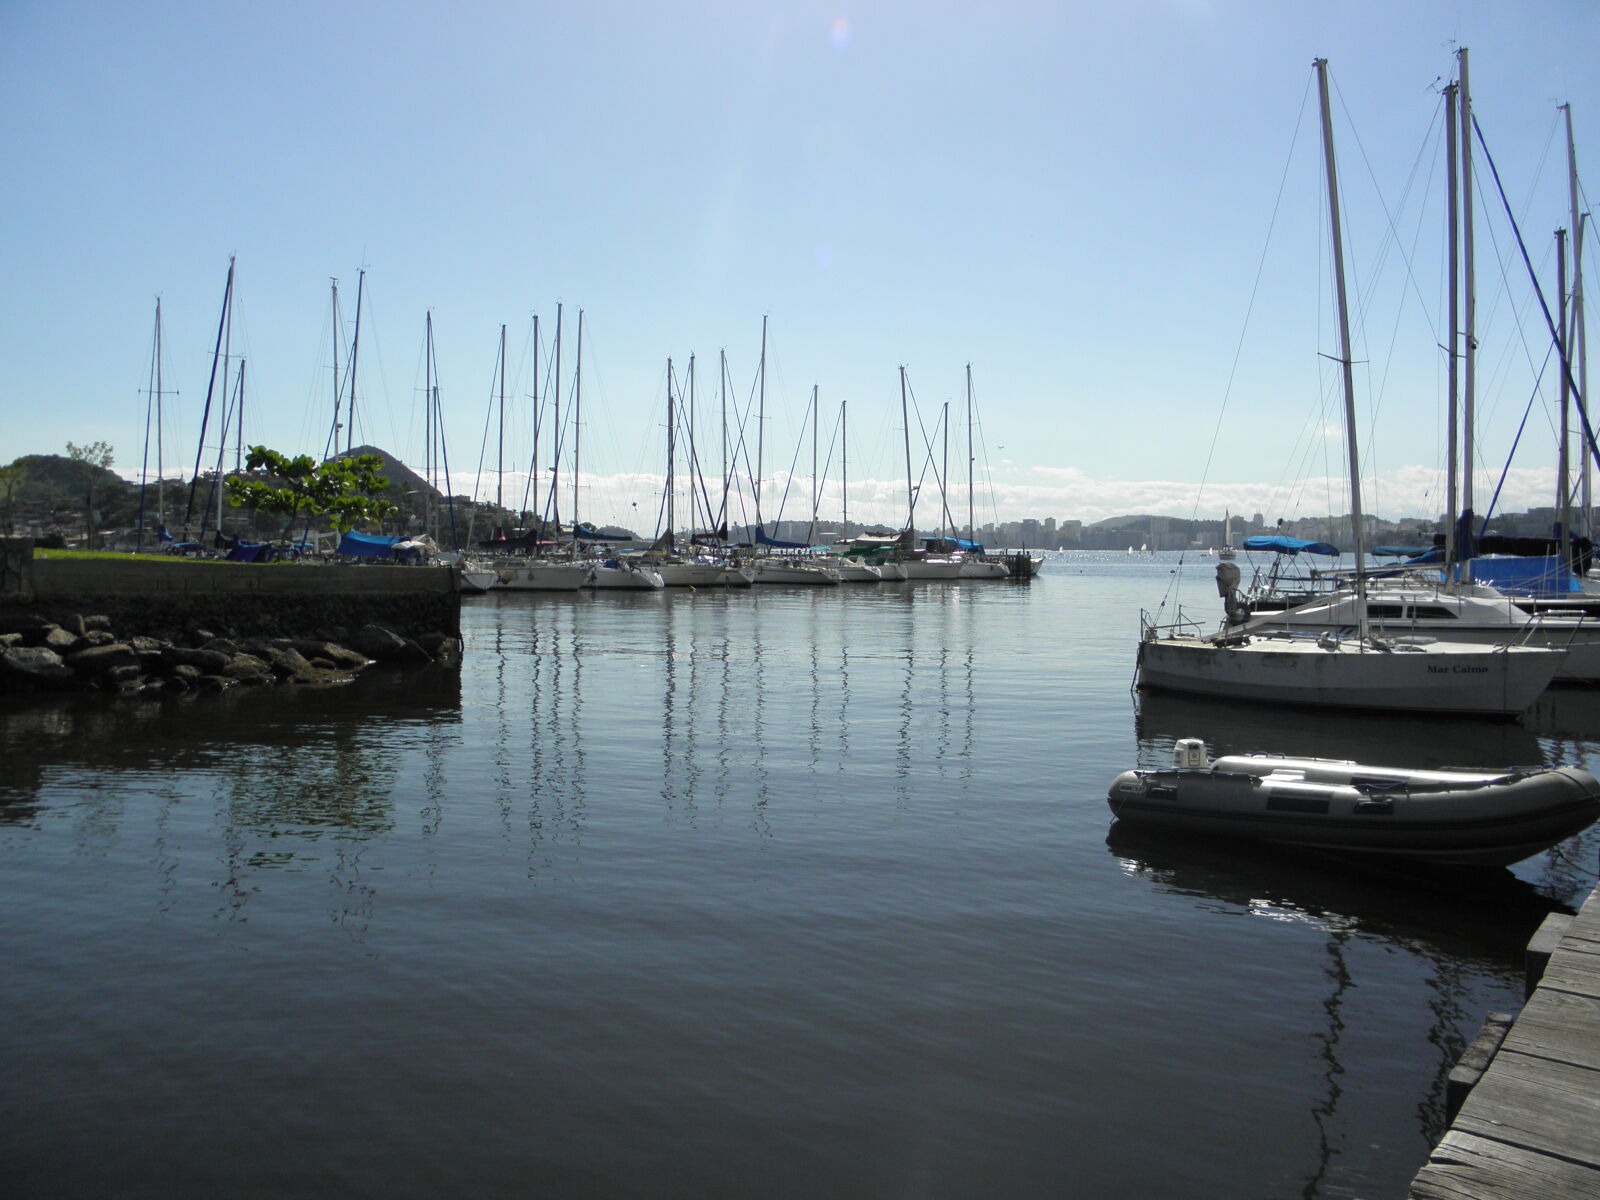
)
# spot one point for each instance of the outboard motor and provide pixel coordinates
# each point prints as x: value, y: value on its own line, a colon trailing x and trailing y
x: 1228, y: 589
x: 1189, y: 754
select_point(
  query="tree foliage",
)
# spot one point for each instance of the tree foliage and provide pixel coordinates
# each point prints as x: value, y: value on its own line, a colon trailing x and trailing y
x: 343, y: 490
x: 96, y: 454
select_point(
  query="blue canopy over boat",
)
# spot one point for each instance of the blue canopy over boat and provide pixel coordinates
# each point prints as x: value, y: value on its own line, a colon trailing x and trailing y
x: 365, y: 545
x: 763, y: 540
x: 1288, y: 545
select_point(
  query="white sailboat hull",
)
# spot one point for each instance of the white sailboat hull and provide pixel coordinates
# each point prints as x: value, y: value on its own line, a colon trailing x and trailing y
x: 1447, y: 677
x: 854, y: 572
x: 633, y: 578
x: 975, y: 568
x: 541, y: 577
x: 802, y: 574
x: 690, y: 574
x: 921, y: 568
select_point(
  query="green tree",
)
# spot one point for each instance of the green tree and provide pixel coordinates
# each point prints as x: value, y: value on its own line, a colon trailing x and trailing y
x: 96, y: 456
x: 342, y: 489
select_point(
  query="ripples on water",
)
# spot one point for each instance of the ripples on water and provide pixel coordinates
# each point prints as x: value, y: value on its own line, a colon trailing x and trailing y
x: 727, y: 893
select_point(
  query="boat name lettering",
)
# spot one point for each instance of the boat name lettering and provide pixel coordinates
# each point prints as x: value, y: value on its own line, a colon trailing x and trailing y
x: 1457, y: 670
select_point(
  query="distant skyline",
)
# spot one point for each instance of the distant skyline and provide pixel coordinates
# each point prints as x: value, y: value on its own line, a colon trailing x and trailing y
x: 1074, y: 199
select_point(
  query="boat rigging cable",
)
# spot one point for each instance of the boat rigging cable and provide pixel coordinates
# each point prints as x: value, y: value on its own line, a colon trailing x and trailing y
x: 1238, y: 352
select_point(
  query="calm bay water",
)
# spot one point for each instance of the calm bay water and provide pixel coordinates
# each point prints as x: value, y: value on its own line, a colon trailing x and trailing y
x: 773, y: 892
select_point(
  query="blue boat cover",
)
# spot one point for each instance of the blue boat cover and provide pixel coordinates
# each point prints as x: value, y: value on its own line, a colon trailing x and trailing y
x: 764, y: 540
x: 365, y: 545
x: 1288, y: 545
x: 1526, y: 576
x: 239, y: 552
x: 1399, y: 551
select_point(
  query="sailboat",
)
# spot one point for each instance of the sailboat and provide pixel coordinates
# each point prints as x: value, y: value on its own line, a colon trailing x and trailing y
x: 1332, y: 670
x: 524, y: 572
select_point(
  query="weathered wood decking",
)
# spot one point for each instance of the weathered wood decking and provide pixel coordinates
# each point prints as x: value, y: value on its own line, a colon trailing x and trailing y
x: 1529, y: 1129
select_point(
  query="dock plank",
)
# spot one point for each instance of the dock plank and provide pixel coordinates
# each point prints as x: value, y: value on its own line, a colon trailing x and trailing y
x: 1467, y: 1167
x: 1561, y: 1026
x: 1538, y: 1104
x: 1573, y: 972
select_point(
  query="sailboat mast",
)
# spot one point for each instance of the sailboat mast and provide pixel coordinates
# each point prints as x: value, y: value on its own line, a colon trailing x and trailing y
x: 161, y: 495
x: 816, y: 496
x: 970, y: 524
x: 500, y: 443
x: 338, y: 383
x: 1470, y: 300
x: 671, y: 455
x: 430, y: 437
x: 761, y: 427
x: 905, y: 421
x: 1330, y: 169
x: 222, y: 434
x: 1564, y: 468
x: 533, y: 481
x: 722, y: 387
x: 355, y: 352
x: 577, y: 427
x: 211, y: 391
x: 553, y: 510
x: 1453, y: 362
x: 946, y: 521
x: 1576, y: 343
x: 844, y: 467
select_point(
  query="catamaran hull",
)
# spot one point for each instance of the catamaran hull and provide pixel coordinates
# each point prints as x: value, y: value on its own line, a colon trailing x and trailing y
x: 1490, y: 822
x: 1440, y: 677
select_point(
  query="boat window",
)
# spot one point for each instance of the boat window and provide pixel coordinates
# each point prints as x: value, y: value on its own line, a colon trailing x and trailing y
x: 1394, y: 611
x: 1433, y: 612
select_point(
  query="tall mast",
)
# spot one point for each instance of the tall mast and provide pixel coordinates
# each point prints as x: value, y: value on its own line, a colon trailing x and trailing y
x: 577, y: 428
x: 1470, y: 294
x: 761, y: 427
x: 1576, y: 343
x: 161, y: 496
x: 905, y: 420
x: 533, y: 481
x: 1358, y: 537
x: 153, y: 416
x: 211, y: 391
x: 1564, y: 469
x: 355, y: 350
x: 1453, y: 362
x: 844, y: 467
x: 970, y: 536
x: 222, y: 434
x: 554, y: 508
x: 944, y: 475
x: 500, y: 444
x: 694, y: 458
x: 338, y: 383
x: 671, y: 455
x: 722, y: 387
x: 816, y: 496
x: 430, y: 436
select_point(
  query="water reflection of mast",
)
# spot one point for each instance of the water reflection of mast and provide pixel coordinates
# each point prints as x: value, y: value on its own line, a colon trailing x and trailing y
x: 1322, y: 1111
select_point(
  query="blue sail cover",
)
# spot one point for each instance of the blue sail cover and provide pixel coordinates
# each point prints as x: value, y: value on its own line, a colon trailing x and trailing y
x: 364, y: 545
x: 763, y: 540
x: 1399, y: 551
x: 1288, y: 545
x: 240, y: 552
x: 1526, y: 576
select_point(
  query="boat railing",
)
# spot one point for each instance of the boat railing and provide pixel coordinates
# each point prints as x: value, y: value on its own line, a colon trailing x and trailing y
x: 1151, y: 627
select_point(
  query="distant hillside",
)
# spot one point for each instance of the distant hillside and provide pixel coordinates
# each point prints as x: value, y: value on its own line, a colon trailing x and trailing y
x: 402, y: 479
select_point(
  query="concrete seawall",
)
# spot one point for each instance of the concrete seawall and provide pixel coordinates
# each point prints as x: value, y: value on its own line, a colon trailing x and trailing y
x: 167, y: 595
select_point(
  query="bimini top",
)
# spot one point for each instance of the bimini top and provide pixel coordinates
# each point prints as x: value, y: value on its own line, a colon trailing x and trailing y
x: 1288, y: 545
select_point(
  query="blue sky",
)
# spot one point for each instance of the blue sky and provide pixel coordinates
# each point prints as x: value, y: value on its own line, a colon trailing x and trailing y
x: 1073, y: 198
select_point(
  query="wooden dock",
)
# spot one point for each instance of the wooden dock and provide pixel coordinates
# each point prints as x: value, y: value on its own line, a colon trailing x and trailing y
x: 1528, y: 1090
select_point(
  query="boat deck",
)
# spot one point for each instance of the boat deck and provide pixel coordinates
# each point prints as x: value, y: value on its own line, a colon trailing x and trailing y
x: 1530, y: 1124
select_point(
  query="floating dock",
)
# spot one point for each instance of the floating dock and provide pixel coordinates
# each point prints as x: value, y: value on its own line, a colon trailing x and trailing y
x: 1525, y: 1098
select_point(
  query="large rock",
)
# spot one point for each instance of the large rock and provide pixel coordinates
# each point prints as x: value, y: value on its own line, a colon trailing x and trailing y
x: 208, y: 662
x: 93, y: 661
x: 58, y: 639
x: 34, y: 666
x: 337, y: 657
x: 380, y: 644
x: 247, y: 668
